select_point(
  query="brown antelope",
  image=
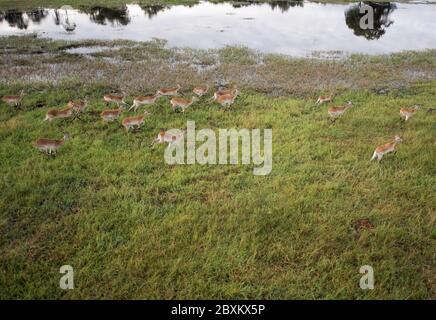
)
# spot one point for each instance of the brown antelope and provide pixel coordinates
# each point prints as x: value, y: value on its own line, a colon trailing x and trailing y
x: 114, y: 98
x: 323, y: 99
x: 226, y: 100
x: 14, y: 100
x: 134, y: 122
x: 111, y: 115
x: 169, y: 91
x: 201, y: 90
x: 143, y: 100
x: 336, y: 112
x: 407, y: 113
x: 223, y: 92
x: 50, y: 146
x: 164, y: 136
x: 58, y: 114
x: 386, y: 148
x: 77, y: 105
x: 183, y: 103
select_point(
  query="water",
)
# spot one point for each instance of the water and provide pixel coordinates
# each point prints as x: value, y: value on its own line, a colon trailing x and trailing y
x: 296, y: 28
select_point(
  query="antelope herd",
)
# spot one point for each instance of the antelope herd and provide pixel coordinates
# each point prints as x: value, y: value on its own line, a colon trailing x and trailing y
x: 224, y: 97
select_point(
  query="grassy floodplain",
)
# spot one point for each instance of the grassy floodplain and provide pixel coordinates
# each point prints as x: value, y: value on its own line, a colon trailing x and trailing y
x: 134, y: 227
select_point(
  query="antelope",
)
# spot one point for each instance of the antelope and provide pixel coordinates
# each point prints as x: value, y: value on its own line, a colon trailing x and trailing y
x: 50, y: 146
x: 226, y: 100
x: 136, y: 121
x: 114, y: 98
x: 14, y: 100
x: 58, y: 114
x: 164, y: 136
x: 77, y: 105
x: 223, y: 92
x: 111, y: 115
x: 143, y: 100
x: 182, y: 102
x: 169, y: 91
x: 336, y: 112
x: 323, y: 99
x: 201, y: 90
x: 386, y: 148
x: 407, y: 113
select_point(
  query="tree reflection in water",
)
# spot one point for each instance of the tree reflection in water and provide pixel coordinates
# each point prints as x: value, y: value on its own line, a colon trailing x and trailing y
x: 283, y: 5
x: 382, y: 12
x: 103, y: 15
x: 20, y: 19
x: 120, y: 15
x: 151, y: 11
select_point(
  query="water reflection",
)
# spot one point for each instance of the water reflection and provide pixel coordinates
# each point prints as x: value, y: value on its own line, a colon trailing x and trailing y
x: 382, y: 21
x: 36, y: 16
x: 62, y: 18
x: 103, y: 15
x: 20, y: 19
x: 151, y: 11
x: 283, y: 5
x: 289, y: 27
x: 14, y: 19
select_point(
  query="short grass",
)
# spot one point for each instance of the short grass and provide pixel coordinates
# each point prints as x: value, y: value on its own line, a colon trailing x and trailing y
x: 134, y: 227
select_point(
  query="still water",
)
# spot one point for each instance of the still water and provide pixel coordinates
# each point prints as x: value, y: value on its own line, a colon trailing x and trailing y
x: 297, y: 28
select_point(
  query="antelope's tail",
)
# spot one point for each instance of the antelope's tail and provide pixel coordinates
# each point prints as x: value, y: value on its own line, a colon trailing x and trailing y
x: 373, y: 156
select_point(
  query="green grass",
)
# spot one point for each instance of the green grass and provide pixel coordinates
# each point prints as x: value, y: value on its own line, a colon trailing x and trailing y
x: 134, y: 227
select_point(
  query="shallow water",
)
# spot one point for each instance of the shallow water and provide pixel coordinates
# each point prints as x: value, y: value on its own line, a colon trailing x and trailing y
x: 296, y: 28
